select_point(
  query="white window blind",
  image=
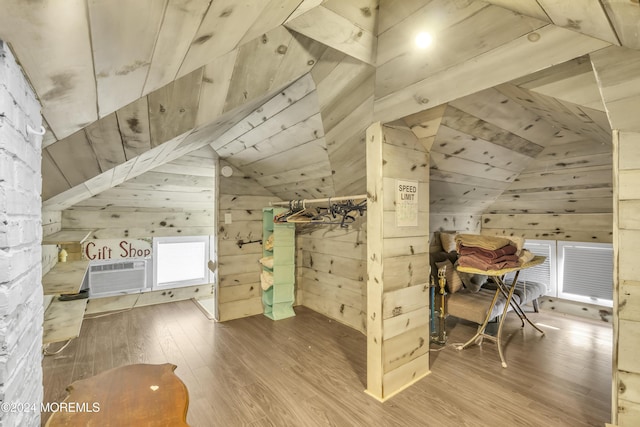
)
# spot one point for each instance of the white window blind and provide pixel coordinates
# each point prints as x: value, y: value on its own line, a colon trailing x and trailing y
x: 544, y: 273
x: 586, y: 272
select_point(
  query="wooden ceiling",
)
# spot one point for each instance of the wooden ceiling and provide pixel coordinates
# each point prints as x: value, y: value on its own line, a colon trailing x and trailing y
x: 127, y: 86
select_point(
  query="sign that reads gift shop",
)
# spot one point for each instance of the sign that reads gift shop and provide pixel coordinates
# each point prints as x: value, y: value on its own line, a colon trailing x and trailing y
x: 406, y: 203
x: 102, y: 249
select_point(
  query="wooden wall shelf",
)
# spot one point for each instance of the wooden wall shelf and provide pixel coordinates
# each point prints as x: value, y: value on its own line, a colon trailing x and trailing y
x: 66, y: 237
x: 63, y: 320
x: 65, y: 278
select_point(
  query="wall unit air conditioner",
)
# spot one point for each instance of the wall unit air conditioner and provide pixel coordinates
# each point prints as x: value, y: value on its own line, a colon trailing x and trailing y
x: 117, y: 277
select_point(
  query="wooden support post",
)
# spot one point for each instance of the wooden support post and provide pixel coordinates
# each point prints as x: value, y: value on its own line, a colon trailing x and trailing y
x: 617, y: 71
x: 398, y: 260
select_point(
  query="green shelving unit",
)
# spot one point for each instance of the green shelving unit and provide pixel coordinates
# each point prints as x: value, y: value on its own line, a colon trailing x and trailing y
x: 278, y: 299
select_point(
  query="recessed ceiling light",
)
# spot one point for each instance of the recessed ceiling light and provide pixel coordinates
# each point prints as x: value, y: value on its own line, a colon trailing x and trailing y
x: 423, y: 40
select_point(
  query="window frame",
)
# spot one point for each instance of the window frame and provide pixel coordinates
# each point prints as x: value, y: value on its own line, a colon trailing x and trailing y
x: 204, y: 279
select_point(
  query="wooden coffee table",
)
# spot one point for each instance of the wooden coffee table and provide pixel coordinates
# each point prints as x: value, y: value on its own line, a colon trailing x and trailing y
x: 130, y: 395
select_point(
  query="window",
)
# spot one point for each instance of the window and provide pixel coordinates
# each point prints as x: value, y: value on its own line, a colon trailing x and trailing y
x: 546, y: 272
x: 585, y: 272
x: 180, y: 261
x: 573, y: 270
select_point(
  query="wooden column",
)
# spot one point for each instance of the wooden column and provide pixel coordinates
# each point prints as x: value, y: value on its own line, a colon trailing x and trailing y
x: 618, y: 74
x: 398, y: 263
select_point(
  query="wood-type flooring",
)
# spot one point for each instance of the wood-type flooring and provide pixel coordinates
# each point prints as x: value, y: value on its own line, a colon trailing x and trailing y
x: 311, y: 371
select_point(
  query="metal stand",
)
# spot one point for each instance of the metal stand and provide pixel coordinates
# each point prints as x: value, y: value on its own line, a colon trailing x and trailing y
x: 507, y: 292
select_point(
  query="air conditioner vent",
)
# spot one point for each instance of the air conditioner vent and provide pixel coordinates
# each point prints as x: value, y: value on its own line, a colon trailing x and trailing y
x: 109, y: 278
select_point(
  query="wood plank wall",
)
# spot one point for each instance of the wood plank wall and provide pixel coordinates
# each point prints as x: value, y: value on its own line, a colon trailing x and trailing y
x: 398, y: 264
x: 594, y: 227
x: 332, y: 271
x: 175, y: 199
x: 239, y: 291
x: 51, y: 223
x: 617, y: 72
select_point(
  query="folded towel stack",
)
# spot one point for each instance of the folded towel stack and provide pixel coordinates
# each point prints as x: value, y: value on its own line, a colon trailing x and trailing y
x: 486, y: 252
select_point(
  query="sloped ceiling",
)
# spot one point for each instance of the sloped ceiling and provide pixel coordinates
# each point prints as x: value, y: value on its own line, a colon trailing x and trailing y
x: 127, y: 86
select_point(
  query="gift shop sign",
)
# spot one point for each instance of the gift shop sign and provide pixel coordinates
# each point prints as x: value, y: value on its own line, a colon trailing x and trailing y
x: 406, y: 203
x: 116, y: 249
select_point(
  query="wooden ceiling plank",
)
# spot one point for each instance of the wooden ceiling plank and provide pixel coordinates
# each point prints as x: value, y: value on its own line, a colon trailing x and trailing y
x: 501, y: 112
x: 303, y: 155
x: 215, y: 86
x: 302, y: 184
x: 570, y: 162
x: 585, y: 147
x: 331, y: 88
x: 600, y: 175
x: 302, y: 56
x: 585, y: 16
x: 256, y: 64
x: 100, y: 183
x: 301, y: 110
x: 121, y: 172
x: 224, y: 25
x: 169, y: 181
x: 394, y: 11
x: 122, y: 57
x: 355, y: 123
x: 598, y: 192
x: 458, y: 178
x: 349, y: 164
x: 589, y: 221
x: 561, y: 114
x: 327, y: 62
x: 305, y: 6
x: 580, y: 90
x: 274, y: 14
x: 453, y: 164
x: 454, y: 142
x: 618, y: 76
x: 54, y: 181
x: 48, y: 138
x: 507, y: 62
x: 105, y: 219
x: 276, y: 104
x: 67, y: 198
x: 179, y: 25
x: 75, y: 158
x: 104, y: 137
x: 601, y: 205
x: 471, y: 121
x: 315, y: 170
x: 336, y: 31
x: 625, y: 17
x: 434, y: 17
x: 133, y: 121
x: 157, y: 156
x: 60, y: 70
x: 359, y: 91
x: 363, y: 13
x: 525, y: 7
x: 480, y: 33
x: 439, y: 189
x: 425, y: 124
x: 300, y: 133
x: 174, y: 107
x: 572, y: 81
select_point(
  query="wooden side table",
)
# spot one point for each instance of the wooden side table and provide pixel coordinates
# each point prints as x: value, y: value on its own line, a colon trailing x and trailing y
x: 131, y: 395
